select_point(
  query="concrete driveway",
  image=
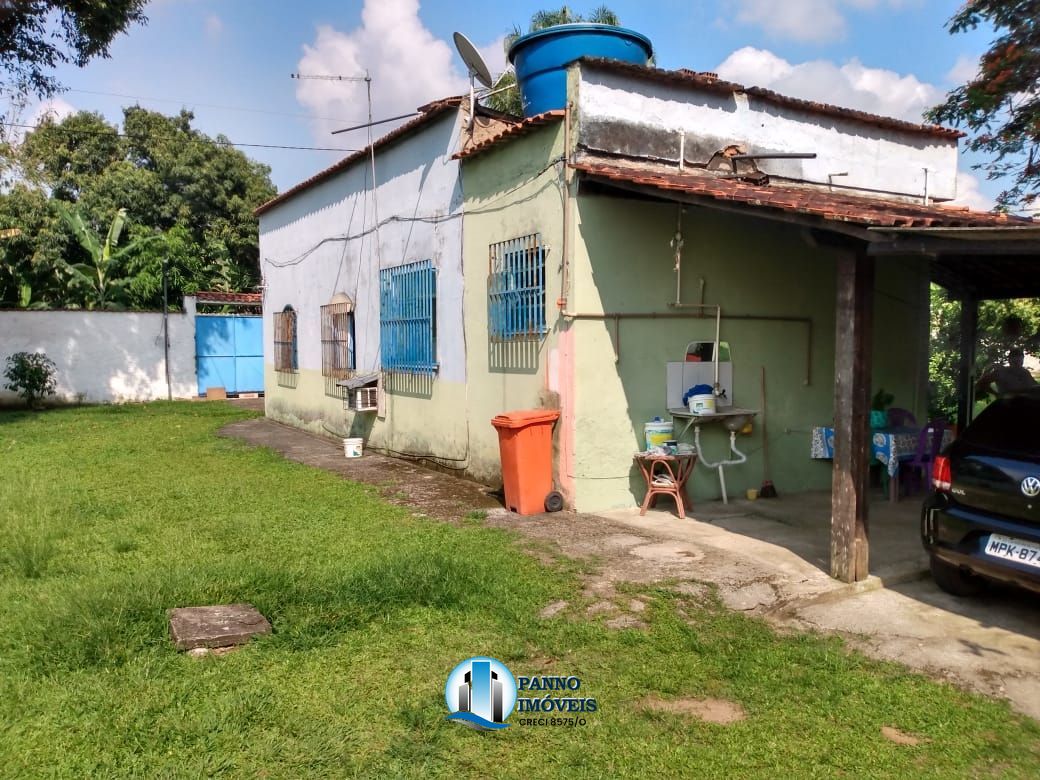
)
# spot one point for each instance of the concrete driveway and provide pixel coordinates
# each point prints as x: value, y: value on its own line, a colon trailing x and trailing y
x: 771, y: 560
x: 765, y: 558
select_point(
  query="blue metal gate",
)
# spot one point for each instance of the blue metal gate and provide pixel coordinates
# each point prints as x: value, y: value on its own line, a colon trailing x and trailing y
x: 229, y: 352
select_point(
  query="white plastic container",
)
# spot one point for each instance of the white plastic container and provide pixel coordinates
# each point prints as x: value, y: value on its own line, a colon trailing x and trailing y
x: 352, y: 448
x: 702, y: 404
x: 657, y: 432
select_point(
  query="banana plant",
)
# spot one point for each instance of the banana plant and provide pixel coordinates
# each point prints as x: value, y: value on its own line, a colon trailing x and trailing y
x: 99, y: 282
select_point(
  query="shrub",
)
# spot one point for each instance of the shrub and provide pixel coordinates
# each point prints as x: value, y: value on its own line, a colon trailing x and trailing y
x: 31, y: 375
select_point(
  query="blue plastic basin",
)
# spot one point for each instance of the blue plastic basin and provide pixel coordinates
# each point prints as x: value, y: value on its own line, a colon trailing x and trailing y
x: 541, y: 58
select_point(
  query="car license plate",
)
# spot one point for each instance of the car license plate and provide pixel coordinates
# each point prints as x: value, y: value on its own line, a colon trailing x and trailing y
x: 1013, y: 550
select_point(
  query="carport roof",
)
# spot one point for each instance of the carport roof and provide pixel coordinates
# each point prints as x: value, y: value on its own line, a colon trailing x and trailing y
x: 972, y: 253
x: 810, y: 201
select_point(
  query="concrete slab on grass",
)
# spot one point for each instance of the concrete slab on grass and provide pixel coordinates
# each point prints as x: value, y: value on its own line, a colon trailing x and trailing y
x: 223, y: 625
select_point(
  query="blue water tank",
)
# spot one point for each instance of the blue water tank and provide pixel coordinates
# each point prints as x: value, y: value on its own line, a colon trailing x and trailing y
x: 541, y: 58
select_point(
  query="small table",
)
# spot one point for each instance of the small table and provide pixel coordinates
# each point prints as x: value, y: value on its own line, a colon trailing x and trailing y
x: 888, y: 446
x: 666, y: 475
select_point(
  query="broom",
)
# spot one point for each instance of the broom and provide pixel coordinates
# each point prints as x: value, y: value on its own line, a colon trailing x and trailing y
x: 768, y: 490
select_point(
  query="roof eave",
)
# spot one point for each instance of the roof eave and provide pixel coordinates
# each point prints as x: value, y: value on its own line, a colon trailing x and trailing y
x: 428, y: 112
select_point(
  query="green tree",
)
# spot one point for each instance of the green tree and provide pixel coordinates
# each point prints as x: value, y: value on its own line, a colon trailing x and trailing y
x: 996, y: 335
x: 38, y: 35
x: 508, y: 101
x: 32, y: 246
x: 1000, y: 106
x: 170, y: 179
x: 101, y: 282
x: 67, y: 156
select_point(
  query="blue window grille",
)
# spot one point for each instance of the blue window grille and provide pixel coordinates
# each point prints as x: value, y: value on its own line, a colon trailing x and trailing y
x: 408, y: 318
x: 516, y: 289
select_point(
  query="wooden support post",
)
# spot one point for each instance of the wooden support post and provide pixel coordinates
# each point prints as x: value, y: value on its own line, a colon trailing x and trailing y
x: 965, y: 380
x: 852, y: 379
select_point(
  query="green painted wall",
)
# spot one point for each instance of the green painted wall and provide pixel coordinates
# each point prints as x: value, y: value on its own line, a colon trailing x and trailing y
x: 623, y: 262
x: 510, y: 192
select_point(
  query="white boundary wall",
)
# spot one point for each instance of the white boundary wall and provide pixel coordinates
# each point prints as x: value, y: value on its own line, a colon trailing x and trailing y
x: 104, y: 356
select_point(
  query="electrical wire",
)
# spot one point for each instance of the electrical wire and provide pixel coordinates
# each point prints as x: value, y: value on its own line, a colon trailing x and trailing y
x: 75, y: 131
x: 438, y: 460
x: 430, y: 220
x: 209, y: 105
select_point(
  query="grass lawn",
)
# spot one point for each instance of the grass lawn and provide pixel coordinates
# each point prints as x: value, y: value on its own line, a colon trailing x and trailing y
x: 109, y: 516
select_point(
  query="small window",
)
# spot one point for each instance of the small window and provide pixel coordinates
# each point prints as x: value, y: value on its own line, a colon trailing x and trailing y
x: 285, y: 359
x: 408, y: 318
x: 516, y: 289
x: 337, y: 340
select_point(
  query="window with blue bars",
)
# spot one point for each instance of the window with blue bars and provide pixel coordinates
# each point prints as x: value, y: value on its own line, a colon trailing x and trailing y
x: 516, y: 289
x: 408, y: 318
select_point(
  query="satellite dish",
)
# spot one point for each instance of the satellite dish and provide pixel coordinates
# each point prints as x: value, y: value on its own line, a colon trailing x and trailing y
x: 478, y: 69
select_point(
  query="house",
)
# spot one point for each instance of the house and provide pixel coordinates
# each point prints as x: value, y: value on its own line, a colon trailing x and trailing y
x: 565, y: 259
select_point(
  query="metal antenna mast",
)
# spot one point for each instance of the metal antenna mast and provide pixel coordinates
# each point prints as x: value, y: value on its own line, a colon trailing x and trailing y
x: 371, y: 149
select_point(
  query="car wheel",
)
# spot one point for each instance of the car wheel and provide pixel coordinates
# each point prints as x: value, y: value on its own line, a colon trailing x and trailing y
x: 953, y: 579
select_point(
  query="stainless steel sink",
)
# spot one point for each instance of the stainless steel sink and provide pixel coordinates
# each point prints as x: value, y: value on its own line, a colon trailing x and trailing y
x: 735, y: 422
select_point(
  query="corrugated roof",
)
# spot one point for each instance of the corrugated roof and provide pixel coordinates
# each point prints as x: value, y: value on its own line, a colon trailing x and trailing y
x: 522, y: 127
x: 834, y: 206
x: 427, y: 112
x: 710, y: 83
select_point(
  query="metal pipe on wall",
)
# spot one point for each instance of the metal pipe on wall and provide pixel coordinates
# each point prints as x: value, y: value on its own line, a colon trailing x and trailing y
x: 565, y: 273
x: 719, y: 316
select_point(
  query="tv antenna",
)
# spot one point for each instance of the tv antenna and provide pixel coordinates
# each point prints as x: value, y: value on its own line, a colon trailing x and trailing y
x: 367, y: 79
x: 478, y: 69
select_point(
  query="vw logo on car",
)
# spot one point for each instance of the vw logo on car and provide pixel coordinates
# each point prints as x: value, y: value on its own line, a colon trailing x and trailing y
x: 1031, y: 486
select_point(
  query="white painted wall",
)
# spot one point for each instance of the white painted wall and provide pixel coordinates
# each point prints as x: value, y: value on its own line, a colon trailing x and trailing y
x: 876, y: 159
x: 105, y: 356
x: 322, y: 241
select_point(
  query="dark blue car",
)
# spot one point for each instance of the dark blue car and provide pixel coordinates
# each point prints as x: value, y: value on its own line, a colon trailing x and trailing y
x: 982, y: 522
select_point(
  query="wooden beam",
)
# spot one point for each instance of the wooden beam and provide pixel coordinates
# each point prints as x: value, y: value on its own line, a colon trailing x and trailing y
x: 965, y: 378
x: 1029, y: 250
x: 852, y: 378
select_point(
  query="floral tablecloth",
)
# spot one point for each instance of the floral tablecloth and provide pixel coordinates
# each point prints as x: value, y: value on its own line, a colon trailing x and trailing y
x: 887, y: 445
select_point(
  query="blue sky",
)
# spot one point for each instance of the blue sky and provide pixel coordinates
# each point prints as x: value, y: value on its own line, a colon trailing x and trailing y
x: 229, y: 61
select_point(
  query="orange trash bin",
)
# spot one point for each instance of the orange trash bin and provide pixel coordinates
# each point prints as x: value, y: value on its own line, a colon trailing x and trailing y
x: 525, y: 444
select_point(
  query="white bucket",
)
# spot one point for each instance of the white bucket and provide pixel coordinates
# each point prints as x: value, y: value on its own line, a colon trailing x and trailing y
x: 702, y: 404
x: 352, y: 447
x: 657, y: 432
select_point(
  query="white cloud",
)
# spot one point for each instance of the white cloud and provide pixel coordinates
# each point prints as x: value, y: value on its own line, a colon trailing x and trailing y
x: 494, y: 55
x: 800, y: 20
x: 816, y: 21
x: 21, y: 117
x: 55, y: 108
x: 407, y: 64
x: 851, y: 84
x: 969, y: 194
x: 964, y: 70
x: 214, y: 27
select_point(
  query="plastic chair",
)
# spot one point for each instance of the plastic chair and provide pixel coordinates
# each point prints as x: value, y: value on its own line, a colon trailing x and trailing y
x: 929, y: 442
x: 901, y: 418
